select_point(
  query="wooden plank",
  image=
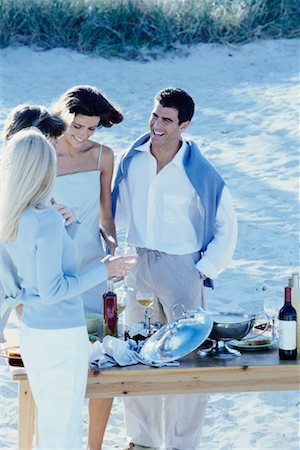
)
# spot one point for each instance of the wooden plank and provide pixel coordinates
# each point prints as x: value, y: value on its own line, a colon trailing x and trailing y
x: 211, y: 380
x: 26, y: 416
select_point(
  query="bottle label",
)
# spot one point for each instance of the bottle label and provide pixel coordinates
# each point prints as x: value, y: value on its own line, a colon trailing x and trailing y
x: 287, y: 334
x: 110, y: 314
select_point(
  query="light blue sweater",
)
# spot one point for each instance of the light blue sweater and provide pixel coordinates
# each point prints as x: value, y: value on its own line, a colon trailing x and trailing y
x: 45, y: 258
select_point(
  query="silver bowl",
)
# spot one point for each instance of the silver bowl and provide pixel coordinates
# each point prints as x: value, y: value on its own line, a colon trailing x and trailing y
x: 227, y: 326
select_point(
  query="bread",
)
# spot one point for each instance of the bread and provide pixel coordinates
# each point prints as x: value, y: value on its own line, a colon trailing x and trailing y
x: 13, y: 354
x: 14, y: 357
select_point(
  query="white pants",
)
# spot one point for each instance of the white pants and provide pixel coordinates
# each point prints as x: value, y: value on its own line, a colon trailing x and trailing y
x: 175, y: 419
x: 56, y: 363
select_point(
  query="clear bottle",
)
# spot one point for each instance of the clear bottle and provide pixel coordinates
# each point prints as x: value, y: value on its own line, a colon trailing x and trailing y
x: 295, y: 295
x: 110, y: 311
x: 287, y: 328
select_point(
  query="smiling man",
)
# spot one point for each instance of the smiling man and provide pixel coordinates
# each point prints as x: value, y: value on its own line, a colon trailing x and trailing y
x: 178, y: 213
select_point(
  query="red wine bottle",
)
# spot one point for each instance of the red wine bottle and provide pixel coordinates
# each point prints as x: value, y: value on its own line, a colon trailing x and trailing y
x: 110, y: 316
x: 287, y: 328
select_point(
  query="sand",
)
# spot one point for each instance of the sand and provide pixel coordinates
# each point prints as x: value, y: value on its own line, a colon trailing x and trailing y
x: 246, y: 123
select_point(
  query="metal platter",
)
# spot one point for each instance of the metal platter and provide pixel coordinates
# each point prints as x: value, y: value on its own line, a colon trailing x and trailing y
x: 177, y: 339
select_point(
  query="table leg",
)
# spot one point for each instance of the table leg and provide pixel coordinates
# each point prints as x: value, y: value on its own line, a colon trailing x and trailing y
x: 26, y: 416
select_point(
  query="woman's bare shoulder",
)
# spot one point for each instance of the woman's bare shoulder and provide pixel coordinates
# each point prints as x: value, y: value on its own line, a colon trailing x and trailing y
x: 95, y: 147
x: 107, y: 156
x: 107, y: 151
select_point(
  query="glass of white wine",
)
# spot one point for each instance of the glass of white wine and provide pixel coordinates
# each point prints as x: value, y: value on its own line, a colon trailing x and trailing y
x: 145, y: 299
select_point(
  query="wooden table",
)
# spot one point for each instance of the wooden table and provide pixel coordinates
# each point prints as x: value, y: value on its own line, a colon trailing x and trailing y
x: 253, y: 371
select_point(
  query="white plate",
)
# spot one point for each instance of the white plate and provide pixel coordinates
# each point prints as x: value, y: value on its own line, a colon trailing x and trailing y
x: 250, y: 344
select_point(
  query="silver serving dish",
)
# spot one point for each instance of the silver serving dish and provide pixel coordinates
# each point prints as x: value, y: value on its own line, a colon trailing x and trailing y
x: 228, y: 326
x: 177, y: 339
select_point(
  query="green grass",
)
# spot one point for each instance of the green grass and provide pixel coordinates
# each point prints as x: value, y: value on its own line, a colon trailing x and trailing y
x: 139, y: 29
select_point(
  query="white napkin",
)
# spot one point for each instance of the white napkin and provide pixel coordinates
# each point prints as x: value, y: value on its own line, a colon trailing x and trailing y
x: 113, y: 351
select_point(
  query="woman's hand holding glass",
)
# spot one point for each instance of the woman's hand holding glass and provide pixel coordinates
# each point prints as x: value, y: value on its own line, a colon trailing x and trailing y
x: 118, y: 267
x: 130, y: 256
x: 121, y: 263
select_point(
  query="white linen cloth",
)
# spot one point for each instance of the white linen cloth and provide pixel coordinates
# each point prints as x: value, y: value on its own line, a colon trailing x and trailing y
x: 167, y: 197
x: 113, y: 351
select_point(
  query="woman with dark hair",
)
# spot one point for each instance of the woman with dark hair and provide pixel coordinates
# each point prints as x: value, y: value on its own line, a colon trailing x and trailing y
x: 84, y: 173
x: 51, y: 126
x: 27, y: 115
x: 83, y: 182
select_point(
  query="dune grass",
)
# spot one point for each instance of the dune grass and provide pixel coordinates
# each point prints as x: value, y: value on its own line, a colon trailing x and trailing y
x: 139, y: 29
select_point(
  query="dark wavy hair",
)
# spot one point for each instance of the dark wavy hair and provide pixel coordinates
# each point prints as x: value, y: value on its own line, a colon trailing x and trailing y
x: 179, y: 99
x: 27, y: 115
x: 89, y: 101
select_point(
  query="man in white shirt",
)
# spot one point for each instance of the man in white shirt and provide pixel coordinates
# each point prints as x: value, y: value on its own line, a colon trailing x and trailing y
x: 178, y: 213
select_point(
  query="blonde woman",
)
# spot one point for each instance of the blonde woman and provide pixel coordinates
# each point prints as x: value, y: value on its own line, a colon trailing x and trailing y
x: 21, y: 117
x: 53, y: 337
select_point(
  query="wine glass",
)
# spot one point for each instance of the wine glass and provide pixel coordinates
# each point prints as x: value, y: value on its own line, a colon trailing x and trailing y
x: 272, y: 306
x: 124, y: 290
x: 145, y: 299
x: 126, y: 250
x: 121, y: 305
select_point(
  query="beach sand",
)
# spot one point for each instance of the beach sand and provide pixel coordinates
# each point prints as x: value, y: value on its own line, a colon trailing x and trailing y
x: 246, y: 123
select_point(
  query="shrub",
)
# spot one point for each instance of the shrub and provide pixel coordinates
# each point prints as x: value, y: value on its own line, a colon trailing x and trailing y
x: 141, y: 28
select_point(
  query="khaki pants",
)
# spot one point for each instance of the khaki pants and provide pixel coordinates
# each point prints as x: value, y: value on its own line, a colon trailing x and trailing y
x: 175, y: 419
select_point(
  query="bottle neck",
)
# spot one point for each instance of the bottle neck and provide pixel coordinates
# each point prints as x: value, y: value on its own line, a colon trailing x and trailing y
x: 287, y: 294
x: 110, y: 286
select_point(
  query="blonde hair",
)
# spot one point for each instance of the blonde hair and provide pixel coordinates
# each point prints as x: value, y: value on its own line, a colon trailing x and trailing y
x: 27, y: 173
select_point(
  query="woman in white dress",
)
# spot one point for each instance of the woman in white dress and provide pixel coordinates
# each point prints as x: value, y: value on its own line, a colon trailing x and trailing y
x: 83, y: 182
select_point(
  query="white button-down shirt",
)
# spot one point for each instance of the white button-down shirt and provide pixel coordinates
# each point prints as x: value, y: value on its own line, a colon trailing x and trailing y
x: 162, y: 211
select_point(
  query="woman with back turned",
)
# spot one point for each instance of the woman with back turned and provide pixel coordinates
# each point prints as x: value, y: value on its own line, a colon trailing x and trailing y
x: 53, y: 336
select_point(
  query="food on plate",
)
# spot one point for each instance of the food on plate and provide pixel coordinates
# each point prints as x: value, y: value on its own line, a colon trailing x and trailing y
x: 256, y: 342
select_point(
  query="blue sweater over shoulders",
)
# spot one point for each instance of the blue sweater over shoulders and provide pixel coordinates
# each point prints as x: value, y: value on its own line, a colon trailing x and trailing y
x: 204, y: 177
x: 45, y: 258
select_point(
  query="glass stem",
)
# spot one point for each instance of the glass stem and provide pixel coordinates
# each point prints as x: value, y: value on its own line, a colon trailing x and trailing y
x: 273, y: 328
x: 147, y: 320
